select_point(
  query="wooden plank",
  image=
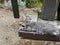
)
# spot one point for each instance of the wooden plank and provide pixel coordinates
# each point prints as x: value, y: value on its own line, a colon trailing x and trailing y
x: 48, y: 10
x: 38, y: 36
x: 15, y: 8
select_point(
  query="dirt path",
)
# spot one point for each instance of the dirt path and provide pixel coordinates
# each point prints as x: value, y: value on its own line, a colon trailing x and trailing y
x: 8, y: 28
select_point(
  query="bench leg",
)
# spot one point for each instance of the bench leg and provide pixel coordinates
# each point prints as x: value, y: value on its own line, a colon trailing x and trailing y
x: 48, y: 10
x: 58, y: 11
x: 15, y: 8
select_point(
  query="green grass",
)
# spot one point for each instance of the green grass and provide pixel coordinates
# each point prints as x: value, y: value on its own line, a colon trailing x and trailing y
x: 34, y: 3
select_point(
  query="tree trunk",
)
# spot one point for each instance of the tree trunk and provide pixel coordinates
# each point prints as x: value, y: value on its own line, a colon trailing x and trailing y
x: 48, y: 10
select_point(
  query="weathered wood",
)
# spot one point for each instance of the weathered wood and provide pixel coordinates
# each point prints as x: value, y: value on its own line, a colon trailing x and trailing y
x: 15, y: 8
x: 38, y: 36
x: 48, y: 10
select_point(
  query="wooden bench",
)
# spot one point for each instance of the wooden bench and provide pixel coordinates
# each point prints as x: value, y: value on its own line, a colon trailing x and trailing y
x: 32, y: 35
x: 38, y: 36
